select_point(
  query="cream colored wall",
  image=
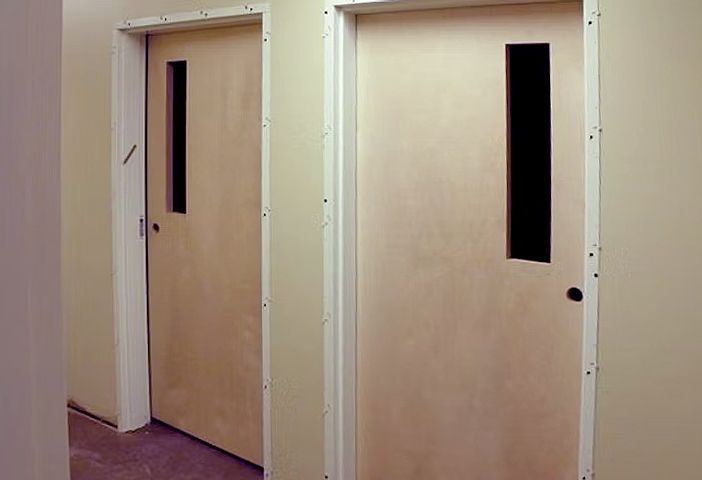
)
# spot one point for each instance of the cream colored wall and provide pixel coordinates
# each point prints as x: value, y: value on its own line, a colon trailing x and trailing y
x: 86, y: 206
x: 33, y: 434
x: 651, y: 380
x: 296, y: 156
x: 650, y: 391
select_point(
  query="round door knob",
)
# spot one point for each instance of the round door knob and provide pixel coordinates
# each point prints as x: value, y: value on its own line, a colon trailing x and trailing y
x: 574, y: 294
x: 156, y: 227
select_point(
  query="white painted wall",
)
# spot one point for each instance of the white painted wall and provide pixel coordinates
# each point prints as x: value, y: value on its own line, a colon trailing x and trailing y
x: 649, y: 415
x: 33, y: 435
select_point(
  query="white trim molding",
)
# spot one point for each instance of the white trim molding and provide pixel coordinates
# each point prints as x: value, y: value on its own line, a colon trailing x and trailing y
x: 339, y: 315
x: 591, y: 18
x: 129, y: 204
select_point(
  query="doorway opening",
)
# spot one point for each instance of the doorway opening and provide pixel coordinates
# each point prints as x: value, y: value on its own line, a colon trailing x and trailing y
x: 204, y: 247
x: 189, y: 146
x: 429, y: 171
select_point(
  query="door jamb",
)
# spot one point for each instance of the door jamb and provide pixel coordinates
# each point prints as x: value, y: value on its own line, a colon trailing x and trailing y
x: 339, y: 315
x: 129, y: 204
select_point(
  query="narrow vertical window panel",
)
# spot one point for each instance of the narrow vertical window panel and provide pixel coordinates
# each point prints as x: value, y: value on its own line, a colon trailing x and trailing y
x: 529, y: 152
x: 177, y: 136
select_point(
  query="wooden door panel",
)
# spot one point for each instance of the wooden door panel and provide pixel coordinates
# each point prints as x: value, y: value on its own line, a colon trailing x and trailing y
x: 205, y: 265
x: 468, y: 363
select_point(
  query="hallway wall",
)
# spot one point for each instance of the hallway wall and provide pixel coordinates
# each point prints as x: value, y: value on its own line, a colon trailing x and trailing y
x: 33, y: 435
x: 650, y: 384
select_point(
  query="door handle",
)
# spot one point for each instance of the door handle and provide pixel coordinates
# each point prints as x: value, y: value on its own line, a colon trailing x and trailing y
x: 575, y: 294
x: 156, y: 227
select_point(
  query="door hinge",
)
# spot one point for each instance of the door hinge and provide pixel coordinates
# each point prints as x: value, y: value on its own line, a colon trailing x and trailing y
x: 142, y: 227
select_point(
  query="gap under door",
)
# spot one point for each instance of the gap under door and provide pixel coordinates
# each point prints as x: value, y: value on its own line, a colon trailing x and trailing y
x: 470, y: 243
x: 204, y: 239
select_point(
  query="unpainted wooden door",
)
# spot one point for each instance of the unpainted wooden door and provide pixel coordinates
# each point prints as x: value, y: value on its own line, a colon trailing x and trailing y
x: 204, y: 239
x: 468, y: 359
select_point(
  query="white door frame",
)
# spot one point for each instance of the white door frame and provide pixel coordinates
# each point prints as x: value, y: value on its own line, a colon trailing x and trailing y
x: 129, y: 204
x: 339, y: 224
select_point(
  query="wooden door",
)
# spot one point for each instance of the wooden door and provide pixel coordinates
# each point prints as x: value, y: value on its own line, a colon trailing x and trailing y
x: 204, y: 240
x: 468, y: 357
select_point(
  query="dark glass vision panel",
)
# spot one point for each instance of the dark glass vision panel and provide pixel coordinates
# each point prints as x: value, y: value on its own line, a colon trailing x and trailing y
x: 177, y: 135
x: 529, y: 151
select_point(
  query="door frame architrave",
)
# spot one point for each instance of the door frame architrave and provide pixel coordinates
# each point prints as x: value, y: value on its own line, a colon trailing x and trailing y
x: 129, y: 270
x: 339, y: 314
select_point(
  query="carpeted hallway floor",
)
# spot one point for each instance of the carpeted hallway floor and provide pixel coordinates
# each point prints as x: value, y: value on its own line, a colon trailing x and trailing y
x: 156, y: 452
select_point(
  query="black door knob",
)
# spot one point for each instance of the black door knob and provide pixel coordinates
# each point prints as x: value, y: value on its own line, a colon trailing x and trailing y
x: 156, y: 227
x: 575, y: 294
